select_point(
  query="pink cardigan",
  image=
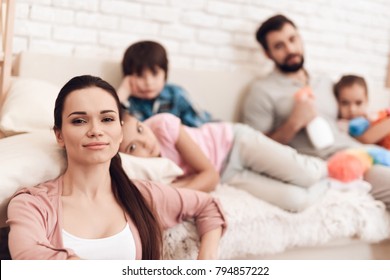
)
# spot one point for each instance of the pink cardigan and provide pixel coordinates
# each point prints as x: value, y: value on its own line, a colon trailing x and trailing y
x: 35, y: 217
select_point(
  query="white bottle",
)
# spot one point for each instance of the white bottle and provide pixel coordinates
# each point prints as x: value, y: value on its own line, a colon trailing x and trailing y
x: 318, y: 130
x: 320, y: 133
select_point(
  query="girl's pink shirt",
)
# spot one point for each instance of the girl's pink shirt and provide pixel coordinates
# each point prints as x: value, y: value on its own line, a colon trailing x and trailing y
x: 35, y: 217
x: 214, y: 139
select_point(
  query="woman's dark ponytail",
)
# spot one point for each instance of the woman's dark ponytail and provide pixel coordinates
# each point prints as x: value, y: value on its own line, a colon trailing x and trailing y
x: 141, y: 214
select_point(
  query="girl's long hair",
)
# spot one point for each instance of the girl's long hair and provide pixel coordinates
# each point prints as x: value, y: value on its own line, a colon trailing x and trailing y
x: 126, y: 193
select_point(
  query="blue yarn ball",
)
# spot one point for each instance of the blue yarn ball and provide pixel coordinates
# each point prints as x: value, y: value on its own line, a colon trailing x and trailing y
x: 358, y: 126
x: 380, y: 155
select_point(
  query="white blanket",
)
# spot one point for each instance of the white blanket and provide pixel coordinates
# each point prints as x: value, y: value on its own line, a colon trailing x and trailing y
x: 258, y: 228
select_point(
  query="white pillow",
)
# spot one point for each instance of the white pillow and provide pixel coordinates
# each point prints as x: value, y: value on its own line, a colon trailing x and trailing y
x: 32, y: 158
x: 29, y: 106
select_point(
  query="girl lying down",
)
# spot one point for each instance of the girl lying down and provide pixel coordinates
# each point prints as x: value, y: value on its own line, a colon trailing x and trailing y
x: 242, y: 156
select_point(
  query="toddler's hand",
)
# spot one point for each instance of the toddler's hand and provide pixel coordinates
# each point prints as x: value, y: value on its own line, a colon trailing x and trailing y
x: 343, y: 125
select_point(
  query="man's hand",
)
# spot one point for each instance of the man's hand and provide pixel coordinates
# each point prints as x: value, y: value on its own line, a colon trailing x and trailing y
x: 303, y: 112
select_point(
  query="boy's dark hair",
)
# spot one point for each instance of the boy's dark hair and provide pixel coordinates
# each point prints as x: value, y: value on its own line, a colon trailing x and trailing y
x: 347, y: 81
x: 144, y: 55
x: 274, y: 23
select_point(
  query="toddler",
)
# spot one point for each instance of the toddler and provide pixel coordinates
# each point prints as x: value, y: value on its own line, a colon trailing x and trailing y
x: 352, y: 96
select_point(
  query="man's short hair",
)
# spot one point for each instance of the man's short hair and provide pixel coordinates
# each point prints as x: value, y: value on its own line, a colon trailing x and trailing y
x: 274, y: 23
x: 144, y: 55
x: 348, y: 81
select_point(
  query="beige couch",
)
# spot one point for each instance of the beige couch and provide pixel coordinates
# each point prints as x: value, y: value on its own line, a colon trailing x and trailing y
x: 340, y: 226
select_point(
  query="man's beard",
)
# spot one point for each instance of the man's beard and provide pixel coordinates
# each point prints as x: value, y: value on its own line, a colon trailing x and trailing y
x: 290, y: 68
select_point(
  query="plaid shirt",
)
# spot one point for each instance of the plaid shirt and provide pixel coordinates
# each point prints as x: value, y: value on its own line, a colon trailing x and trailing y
x: 172, y: 99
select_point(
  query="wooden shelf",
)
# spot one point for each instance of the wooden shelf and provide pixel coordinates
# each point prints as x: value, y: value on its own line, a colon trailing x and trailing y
x: 7, y: 11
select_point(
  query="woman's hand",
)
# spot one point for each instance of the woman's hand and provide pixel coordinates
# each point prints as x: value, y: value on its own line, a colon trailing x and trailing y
x: 209, y: 243
x: 74, y: 257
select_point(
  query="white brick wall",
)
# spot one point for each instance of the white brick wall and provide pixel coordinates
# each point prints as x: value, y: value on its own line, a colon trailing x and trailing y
x: 340, y: 35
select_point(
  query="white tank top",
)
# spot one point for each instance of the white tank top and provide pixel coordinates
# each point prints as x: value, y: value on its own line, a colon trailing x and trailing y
x: 120, y: 246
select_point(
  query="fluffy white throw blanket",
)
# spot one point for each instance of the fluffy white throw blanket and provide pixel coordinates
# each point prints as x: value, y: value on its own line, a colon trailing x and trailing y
x: 258, y: 228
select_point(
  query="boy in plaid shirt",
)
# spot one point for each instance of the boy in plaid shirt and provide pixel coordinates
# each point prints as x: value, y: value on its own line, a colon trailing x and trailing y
x: 144, y: 91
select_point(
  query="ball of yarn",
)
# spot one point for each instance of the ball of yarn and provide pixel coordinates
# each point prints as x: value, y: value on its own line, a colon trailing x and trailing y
x: 363, y: 156
x: 358, y: 126
x: 345, y: 167
x: 380, y: 155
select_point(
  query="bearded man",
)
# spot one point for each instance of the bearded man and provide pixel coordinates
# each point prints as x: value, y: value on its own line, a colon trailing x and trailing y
x: 271, y: 105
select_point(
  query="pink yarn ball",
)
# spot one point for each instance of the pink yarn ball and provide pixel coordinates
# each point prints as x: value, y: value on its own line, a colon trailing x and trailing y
x: 345, y: 167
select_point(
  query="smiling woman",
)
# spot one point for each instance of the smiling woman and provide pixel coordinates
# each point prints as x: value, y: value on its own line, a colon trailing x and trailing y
x: 90, y: 125
x: 93, y: 210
